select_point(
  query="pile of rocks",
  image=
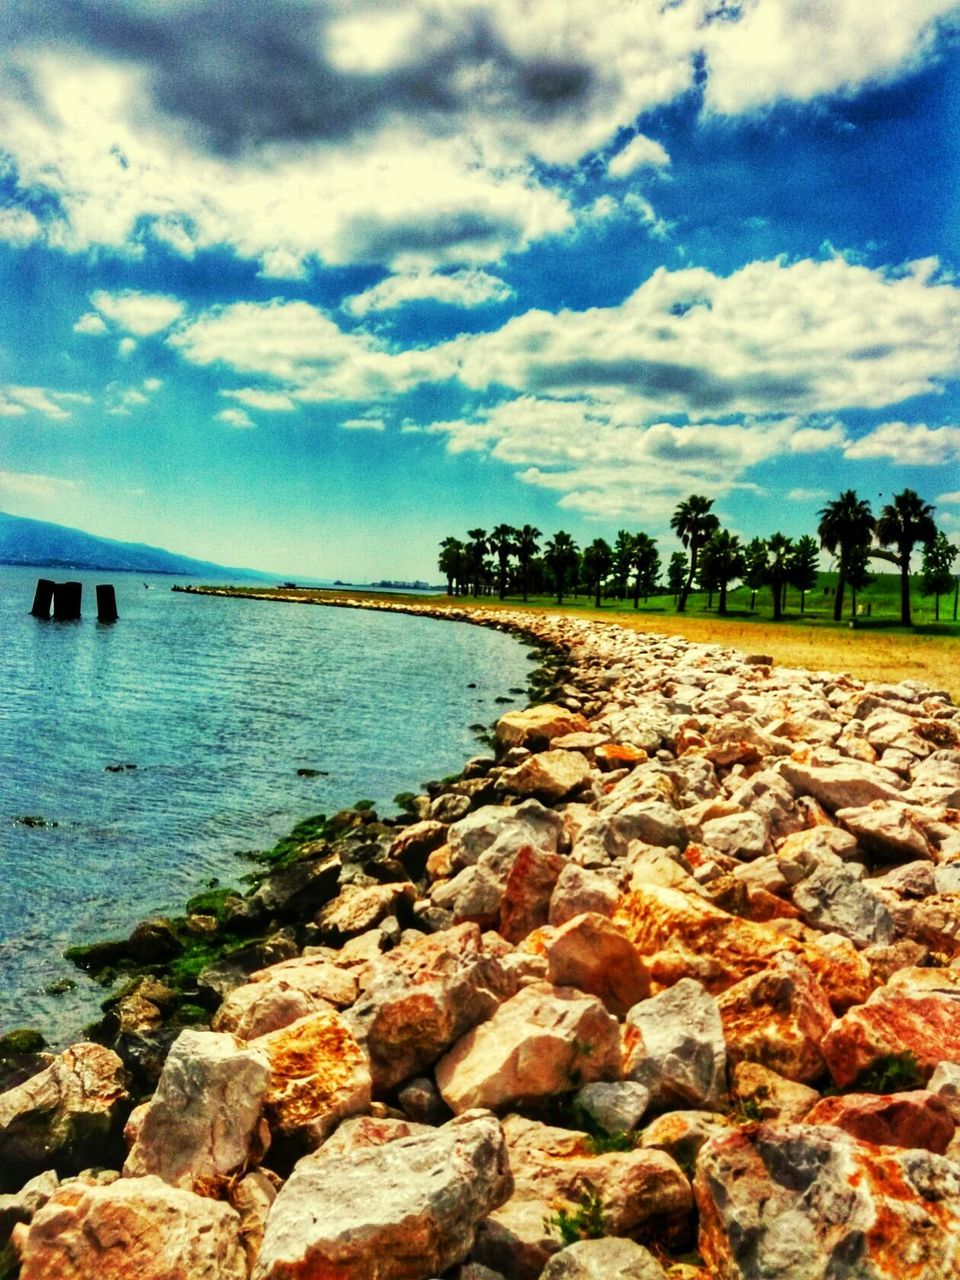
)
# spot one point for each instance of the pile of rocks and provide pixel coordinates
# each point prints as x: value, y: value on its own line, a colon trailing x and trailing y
x: 669, y: 987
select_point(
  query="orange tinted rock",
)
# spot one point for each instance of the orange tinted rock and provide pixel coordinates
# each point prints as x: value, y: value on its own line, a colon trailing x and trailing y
x: 913, y: 1119
x: 778, y: 1018
x: 788, y: 1201
x: 618, y: 755
x: 134, y: 1229
x: 318, y: 1075
x: 770, y: 1096
x: 527, y: 893
x: 550, y: 775
x: 917, y: 1012
x: 591, y: 954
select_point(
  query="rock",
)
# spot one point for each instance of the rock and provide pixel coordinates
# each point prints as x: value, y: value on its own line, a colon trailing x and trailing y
x: 318, y: 1075
x: 549, y: 775
x: 887, y: 830
x: 23, y: 1204
x: 252, y: 1198
x: 203, y: 1122
x: 421, y: 1101
x: 617, y: 1106
x: 791, y: 1201
x: 679, y: 935
x: 764, y: 1095
x: 415, y: 843
x: 370, y: 1131
x: 609, y: 1259
x: 843, y: 784
x: 681, y: 1134
x: 298, y: 890
x: 579, y: 890
x: 537, y: 726
x: 67, y: 1116
x: 618, y: 755
x: 525, y: 904
x: 418, y: 1000
x: 778, y: 1018
x: 507, y: 829
x: 911, y: 880
x: 545, y: 1040
x: 744, y: 835
x: 590, y: 953
x: 356, y: 910
x: 283, y: 993
x: 945, y: 1083
x: 450, y: 807
x: 836, y: 900
x: 650, y: 821
x: 673, y: 1045
x: 813, y: 845
x: 917, y: 1013
x: 639, y: 1193
x: 915, y: 1119
x: 153, y: 942
x: 139, y: 1228
x: 402, y: 1211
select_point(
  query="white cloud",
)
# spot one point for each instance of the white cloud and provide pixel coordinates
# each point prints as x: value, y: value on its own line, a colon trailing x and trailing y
x: 235, y: 418
x: 26, y: 484
x: 140, y: 313
x: 468, y: 287
x: 364, y: 424
x: 808, y: 495
x: 798, y: 50
x: 640, y: 152
x: 152, y: 384
x: 257, y: 398
x: 126, y: 347
x: 90, y: 323
x: 15, y: 400
x: 19, y: 227
x: 953, y: 497
x: 10, y: 409
x: 915, y: 445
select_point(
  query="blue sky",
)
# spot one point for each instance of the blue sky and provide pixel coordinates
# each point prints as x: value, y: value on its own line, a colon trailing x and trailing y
x: 310, y: 284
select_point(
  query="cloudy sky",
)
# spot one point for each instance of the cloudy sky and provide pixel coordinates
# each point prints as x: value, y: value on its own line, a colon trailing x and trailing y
x: 309, y: 284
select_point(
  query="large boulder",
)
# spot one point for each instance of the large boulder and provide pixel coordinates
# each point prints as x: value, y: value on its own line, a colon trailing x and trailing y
x: 403, y: 1210
x: 507, y: 828
x: 673, y: 1045
x: 842, y: 783
x: 917, y: 1118
x: 134, y: 1229
x: 835, y: 899
x: 277, y: 996
x: 608, y: 1259
x: 549, y: 775
x: 590, y: 953
x: 544, y: 1040
x: 319, y: 1074
x: 636, y: 1194
x: 537, y: 726
x: 421, y: 998
x: 792, y: 1201
x: 68, y: 1116
x: 888, y: 830
x: 203, y: 1123
x: 916, y: 1013
x: 527, y: 890
x: 778, y: 1018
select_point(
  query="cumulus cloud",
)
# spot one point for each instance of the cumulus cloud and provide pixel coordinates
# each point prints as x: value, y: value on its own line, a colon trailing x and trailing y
x: 126, y: 347
x: 16, y: 401
x: 953, y: 497
x: 364, y: 424
x: 808, y: 495
x: 640, y: 152
x: 915, y: 445
x: 141, y: 313
x: 238, y: 418
x: 463, y: 288
x: 194, y: 122
x: 90, y: 322
x: 257, y: 398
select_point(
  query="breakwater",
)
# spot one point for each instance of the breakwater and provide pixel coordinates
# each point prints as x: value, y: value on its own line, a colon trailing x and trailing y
x: 673, y: 968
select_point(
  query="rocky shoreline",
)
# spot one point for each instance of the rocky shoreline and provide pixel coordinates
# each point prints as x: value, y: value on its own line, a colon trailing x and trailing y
x: 669, y: 985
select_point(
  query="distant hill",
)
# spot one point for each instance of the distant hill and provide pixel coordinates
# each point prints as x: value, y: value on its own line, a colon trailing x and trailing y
x: 53, y: 546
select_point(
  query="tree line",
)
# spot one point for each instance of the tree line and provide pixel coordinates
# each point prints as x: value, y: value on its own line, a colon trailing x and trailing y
x: 516, y: 561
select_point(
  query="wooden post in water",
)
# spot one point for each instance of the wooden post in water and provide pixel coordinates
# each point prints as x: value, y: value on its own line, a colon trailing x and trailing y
x: 66, y: 601
x: 43, y: 598
x: 106, y: 603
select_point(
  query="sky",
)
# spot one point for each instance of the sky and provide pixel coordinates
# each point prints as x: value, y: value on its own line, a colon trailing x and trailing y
x: 309, y: 285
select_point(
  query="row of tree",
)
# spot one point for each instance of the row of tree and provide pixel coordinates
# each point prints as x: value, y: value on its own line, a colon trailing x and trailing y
x: 511, y: 560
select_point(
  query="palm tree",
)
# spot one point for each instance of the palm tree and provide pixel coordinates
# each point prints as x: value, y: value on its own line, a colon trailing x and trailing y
x: 561, y: 555
x: 476, y: 550
x: 676, y: 575
x: 846, y: 527
x: 904, y: 522
x: 622, y: 560
x: 722, y: 561
x: 525, y: 548
x: 780, y: 550
x: 693, y: 524
x: 452, y: 564
x: 597, y: 563
x: 645, y: 563
x: 804, y: 566
x: 755, y: 567
x: 502, y: 542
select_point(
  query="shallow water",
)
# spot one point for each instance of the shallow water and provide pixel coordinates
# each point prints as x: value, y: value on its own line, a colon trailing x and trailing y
x: 218, y: 703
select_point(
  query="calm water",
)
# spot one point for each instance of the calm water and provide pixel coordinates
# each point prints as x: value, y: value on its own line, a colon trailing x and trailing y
x: 218, y: 703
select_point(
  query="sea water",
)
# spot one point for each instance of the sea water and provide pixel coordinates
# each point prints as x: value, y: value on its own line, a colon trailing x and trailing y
x: 218, y: 703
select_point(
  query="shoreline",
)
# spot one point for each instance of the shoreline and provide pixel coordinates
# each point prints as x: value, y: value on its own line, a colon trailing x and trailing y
x: 728, y: 834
